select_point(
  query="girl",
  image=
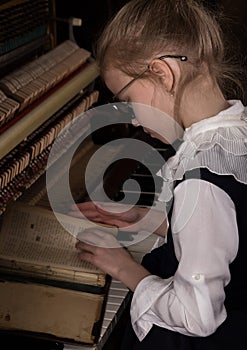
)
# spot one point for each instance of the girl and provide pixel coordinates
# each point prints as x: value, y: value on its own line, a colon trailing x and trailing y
x: 191, y: 291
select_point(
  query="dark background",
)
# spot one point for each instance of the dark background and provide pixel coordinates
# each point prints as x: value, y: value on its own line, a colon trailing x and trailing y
x: 96, y: 13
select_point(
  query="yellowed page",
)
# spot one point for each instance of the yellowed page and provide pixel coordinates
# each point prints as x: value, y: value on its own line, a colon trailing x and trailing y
x: 32, y: 238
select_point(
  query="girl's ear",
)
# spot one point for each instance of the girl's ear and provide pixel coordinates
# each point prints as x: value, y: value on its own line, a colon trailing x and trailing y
x: 163, y: 70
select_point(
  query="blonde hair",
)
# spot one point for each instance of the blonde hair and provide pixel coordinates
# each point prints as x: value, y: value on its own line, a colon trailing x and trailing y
x: 145, y: 29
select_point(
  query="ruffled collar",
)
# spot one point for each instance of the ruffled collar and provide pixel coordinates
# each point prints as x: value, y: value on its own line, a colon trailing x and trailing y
x: 217, y: 143
x: 232, y: 116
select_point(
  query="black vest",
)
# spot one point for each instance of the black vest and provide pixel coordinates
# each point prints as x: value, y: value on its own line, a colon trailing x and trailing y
x: 162, y: 261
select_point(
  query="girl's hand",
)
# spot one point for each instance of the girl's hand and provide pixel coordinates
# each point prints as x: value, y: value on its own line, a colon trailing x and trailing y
x: 94, y: 248
x: 127, y: 218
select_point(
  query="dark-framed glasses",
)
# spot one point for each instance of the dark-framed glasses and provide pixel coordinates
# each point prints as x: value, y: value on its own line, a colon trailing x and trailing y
x: 126, y: 107
x: 179, y: 57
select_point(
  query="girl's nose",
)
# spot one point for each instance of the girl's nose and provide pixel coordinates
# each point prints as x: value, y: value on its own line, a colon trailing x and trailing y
x: 135, y: 122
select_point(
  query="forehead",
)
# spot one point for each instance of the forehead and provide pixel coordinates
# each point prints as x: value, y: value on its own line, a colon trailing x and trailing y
x: 115, y: 79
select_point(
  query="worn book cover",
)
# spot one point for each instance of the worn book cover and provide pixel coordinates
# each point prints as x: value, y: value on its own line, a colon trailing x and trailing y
x: 45, y: 289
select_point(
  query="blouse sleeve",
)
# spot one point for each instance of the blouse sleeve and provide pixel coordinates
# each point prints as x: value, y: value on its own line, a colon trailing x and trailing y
x: 205, y: 235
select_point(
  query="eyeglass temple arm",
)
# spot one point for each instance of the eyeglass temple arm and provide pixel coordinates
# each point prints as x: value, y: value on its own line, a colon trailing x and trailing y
x: 180, y: 57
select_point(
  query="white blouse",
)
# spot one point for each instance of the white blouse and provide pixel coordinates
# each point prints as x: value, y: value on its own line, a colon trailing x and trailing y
x: 204, y: 230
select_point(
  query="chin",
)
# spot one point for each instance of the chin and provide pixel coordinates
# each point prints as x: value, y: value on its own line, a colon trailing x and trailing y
x: 160, y: 138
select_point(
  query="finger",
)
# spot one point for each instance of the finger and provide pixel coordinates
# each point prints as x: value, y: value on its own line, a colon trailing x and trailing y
x: 85, y: 213
x: 83, y: 206
x: 100, y: 210
x: 86, y: 256
x: 113, y: 222
x: 99, y: 219
x: 98, y: 238
x: 113, y: 208
x: 81, y: 245
x: 88, y: 209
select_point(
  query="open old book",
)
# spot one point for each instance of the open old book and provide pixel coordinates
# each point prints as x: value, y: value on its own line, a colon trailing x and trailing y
x: 33, y: 244
x: 46, y: 290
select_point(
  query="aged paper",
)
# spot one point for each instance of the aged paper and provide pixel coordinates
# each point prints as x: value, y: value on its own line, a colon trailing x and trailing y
x: 32, y: 239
